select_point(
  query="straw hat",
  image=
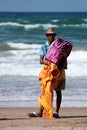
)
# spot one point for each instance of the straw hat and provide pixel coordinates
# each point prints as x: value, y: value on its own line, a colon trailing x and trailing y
x: 50, y: 31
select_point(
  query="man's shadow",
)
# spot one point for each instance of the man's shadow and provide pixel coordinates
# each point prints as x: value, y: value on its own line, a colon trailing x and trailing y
x: 79, y: 116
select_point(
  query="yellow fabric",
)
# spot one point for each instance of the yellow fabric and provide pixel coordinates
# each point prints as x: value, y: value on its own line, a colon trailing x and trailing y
x: 61, y: 81
x: 48, y: 81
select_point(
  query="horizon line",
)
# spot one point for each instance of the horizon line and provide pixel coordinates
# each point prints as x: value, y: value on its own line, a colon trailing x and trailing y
x: 43, y: 11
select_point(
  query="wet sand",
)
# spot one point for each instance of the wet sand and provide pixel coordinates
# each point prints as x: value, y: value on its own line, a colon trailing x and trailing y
x: 17, y: 119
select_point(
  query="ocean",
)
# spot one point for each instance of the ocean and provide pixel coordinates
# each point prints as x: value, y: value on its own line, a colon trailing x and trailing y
x: 21, y: 36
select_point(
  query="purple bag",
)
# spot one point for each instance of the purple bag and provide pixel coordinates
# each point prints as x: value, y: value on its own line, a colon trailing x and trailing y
x: 57, y: 50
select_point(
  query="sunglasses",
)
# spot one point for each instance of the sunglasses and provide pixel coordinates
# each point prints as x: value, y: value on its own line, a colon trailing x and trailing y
x: 49, y: 35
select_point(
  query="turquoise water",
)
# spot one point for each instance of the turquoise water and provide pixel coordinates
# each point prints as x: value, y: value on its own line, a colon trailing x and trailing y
x: 21, y: 36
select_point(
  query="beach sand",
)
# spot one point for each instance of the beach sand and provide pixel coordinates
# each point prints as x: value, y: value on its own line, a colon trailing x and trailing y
x: 17, y: 119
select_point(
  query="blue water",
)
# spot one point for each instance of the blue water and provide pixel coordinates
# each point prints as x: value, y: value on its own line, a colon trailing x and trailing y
x: 21, y: 36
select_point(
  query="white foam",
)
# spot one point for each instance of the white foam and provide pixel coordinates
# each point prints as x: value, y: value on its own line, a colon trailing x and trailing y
x: 28, y: 26
x: 23, y: 45
x: 44, y: 26
x: 84, y: 20
x: 77, y: 64
x: 75, y: 97
x: 74, y: 25
x: 18, y: 69
x: 55, y: 20
x: 10, y: 23
x: 26, y: 59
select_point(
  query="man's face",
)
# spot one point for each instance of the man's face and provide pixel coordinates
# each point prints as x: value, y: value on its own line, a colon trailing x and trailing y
x: 50, y: 37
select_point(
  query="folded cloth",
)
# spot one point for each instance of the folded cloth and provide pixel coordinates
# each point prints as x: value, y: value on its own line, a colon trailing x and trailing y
x: 59, y: 49
x: 48, y: 81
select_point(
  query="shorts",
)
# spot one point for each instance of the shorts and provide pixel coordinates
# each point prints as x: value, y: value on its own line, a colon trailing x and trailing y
x: 61, y: 81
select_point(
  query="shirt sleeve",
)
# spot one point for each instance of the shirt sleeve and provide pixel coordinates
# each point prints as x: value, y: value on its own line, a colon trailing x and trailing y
x: 41, y: 52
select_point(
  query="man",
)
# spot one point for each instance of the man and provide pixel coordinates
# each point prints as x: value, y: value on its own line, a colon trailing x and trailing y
x: 50, y: 34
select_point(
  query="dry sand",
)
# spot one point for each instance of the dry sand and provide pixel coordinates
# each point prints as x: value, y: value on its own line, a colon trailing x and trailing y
x: 17, y: 119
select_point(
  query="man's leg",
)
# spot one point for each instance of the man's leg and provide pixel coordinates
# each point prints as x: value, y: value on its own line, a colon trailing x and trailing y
x: 58, y: 103
x: 40, y: 112
x: 58, y: 100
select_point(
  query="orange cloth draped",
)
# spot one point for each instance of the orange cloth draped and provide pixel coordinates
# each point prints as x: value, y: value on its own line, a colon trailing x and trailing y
x: 48, y: 81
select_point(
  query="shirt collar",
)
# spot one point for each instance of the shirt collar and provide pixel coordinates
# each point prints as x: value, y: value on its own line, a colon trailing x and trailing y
x: 47, y: 43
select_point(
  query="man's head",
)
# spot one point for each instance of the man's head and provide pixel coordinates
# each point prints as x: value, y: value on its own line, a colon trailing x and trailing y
x: 50, y: 34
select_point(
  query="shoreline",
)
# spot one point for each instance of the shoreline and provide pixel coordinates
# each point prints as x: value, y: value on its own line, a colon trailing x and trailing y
x: 17, y: 119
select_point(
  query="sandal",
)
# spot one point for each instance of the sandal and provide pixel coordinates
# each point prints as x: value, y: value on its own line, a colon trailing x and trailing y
x: 56, y: 115
x: 33, y: 114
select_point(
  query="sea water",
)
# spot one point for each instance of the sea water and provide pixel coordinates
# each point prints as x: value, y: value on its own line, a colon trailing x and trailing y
x: 21, y: 36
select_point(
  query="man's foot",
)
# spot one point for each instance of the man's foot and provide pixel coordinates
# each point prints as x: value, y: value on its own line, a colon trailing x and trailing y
x: 34, y: 114
x: 56, y: 115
